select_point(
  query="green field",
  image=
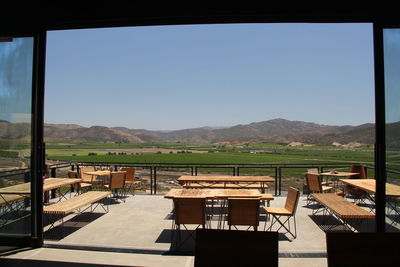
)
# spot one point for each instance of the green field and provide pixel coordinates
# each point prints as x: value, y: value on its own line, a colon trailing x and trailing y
x: 220, y: 157
x: 171, y: 153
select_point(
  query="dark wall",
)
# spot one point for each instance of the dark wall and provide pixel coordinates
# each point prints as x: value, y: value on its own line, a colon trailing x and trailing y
x: 19, y: 18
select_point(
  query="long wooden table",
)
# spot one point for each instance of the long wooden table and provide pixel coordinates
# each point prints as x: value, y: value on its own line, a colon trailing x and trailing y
x: 369, y: 186
x: 219, y: 194
x: 48, y: 184
x: 226, y: 182
x: 335, y: 176
x: 15, y: 193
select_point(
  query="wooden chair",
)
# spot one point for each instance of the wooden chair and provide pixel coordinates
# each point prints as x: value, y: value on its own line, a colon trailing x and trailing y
x: 187, y: 210
x: 218, y: 248
x: 86, y: 178
x: 288, y: 211
x: 363, y: 249
x: 116, y: 184
x: 306, y: 190
x: 80, y: 187
x: 357, y: 193
x: 243, y: 211
x: 130, y: 179
x: 314, y: 184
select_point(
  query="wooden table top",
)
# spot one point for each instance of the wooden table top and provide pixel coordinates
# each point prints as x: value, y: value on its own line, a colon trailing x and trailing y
x: 225, y: 178
x: 98, y: 173
x: 369, y: 185
x: 213, y: 193
x: 53, y: 183
x: 340, y: 174
x: 341, y: 206
x: 48, y: 184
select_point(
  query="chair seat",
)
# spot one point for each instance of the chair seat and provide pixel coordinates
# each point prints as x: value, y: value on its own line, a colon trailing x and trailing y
x: 84, y: 185
x: 266, y: 197
x: 277, y: 211
x: 326, y: 188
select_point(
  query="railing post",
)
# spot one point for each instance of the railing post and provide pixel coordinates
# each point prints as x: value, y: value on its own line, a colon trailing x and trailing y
x: 280, y: 179
x: 27, y: 176
x: 237, y: 171
x: 276, y: 181
x: 195, y: 170
x: 53, y: 172
x: 151, y: 180
x: 155, y: 180
x: 234, y: 171
x: 191, y: 170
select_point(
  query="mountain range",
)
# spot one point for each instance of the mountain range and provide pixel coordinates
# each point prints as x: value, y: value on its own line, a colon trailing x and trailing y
x: 271, y: 131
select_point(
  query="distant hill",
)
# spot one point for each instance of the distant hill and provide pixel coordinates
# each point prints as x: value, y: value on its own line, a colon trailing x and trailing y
x: 273, y: 131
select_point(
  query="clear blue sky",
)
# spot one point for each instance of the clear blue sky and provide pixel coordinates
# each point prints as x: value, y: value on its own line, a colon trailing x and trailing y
x: 176, y: 77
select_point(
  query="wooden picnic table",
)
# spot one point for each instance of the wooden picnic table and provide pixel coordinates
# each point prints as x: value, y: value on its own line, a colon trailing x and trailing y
x: 48, y: 184
x: 335, y: 176
x: 225, y: 181
x: 369, y: 186
x: 218, y: 194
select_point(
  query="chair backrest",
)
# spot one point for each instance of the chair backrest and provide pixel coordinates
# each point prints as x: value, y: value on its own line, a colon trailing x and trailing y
x: 235, y: 248
x: 72, y: 174
x: 361, y: 170
x: 292, y: 200
x: 130, y: 173
x: 314, y: 182
x: 117, y: 180
x: 86, y: 177
x: 189, y: 210
x: 313, y: 170
x: 363, y: 249
x: 243, y: 211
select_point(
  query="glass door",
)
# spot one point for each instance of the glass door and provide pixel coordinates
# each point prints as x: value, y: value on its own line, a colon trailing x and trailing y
x: 391, y: 51
x: 17, y: 84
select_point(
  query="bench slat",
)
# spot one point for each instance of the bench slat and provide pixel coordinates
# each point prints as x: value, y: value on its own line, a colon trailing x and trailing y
x: 76, y: 202
x: 342, y: 208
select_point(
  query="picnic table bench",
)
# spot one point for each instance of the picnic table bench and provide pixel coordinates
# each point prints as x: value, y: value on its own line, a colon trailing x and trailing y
x: 342, y: 209
x: 75, y: 203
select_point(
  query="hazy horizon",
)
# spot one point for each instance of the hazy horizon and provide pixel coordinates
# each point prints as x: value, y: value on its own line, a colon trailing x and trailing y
x: 206, y: 126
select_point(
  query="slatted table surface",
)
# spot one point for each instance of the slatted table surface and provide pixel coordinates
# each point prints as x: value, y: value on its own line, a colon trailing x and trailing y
x: 369, y: 185
x: 217, y: 193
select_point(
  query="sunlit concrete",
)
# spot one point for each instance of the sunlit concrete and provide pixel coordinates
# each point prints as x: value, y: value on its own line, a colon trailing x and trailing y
x: 138, y: 232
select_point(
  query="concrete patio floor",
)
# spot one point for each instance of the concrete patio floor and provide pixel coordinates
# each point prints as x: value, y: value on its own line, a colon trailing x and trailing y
x: 138, y: 232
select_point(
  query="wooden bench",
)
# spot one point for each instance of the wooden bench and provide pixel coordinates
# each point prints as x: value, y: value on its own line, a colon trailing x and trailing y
x: 70, y: 205
x: 342, y: 209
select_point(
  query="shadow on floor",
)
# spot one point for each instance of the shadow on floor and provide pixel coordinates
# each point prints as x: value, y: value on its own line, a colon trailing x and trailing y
x: 72, y: 225
x: 329, y: 223
x: 43, y: 263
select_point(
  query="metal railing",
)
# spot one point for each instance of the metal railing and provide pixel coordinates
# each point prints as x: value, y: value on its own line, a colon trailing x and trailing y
x: 278, y: 169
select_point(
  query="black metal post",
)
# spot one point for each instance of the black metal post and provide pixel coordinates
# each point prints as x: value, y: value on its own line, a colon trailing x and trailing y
x: 380, y: 124
x: 151, y: 180
x: 38, y: 149
x: 276, y: 181
x: 155, y: 180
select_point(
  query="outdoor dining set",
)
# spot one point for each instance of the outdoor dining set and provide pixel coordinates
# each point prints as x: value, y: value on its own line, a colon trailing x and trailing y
x: 215, y: 201
x: 93, y: 188
x: 240, y: 202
